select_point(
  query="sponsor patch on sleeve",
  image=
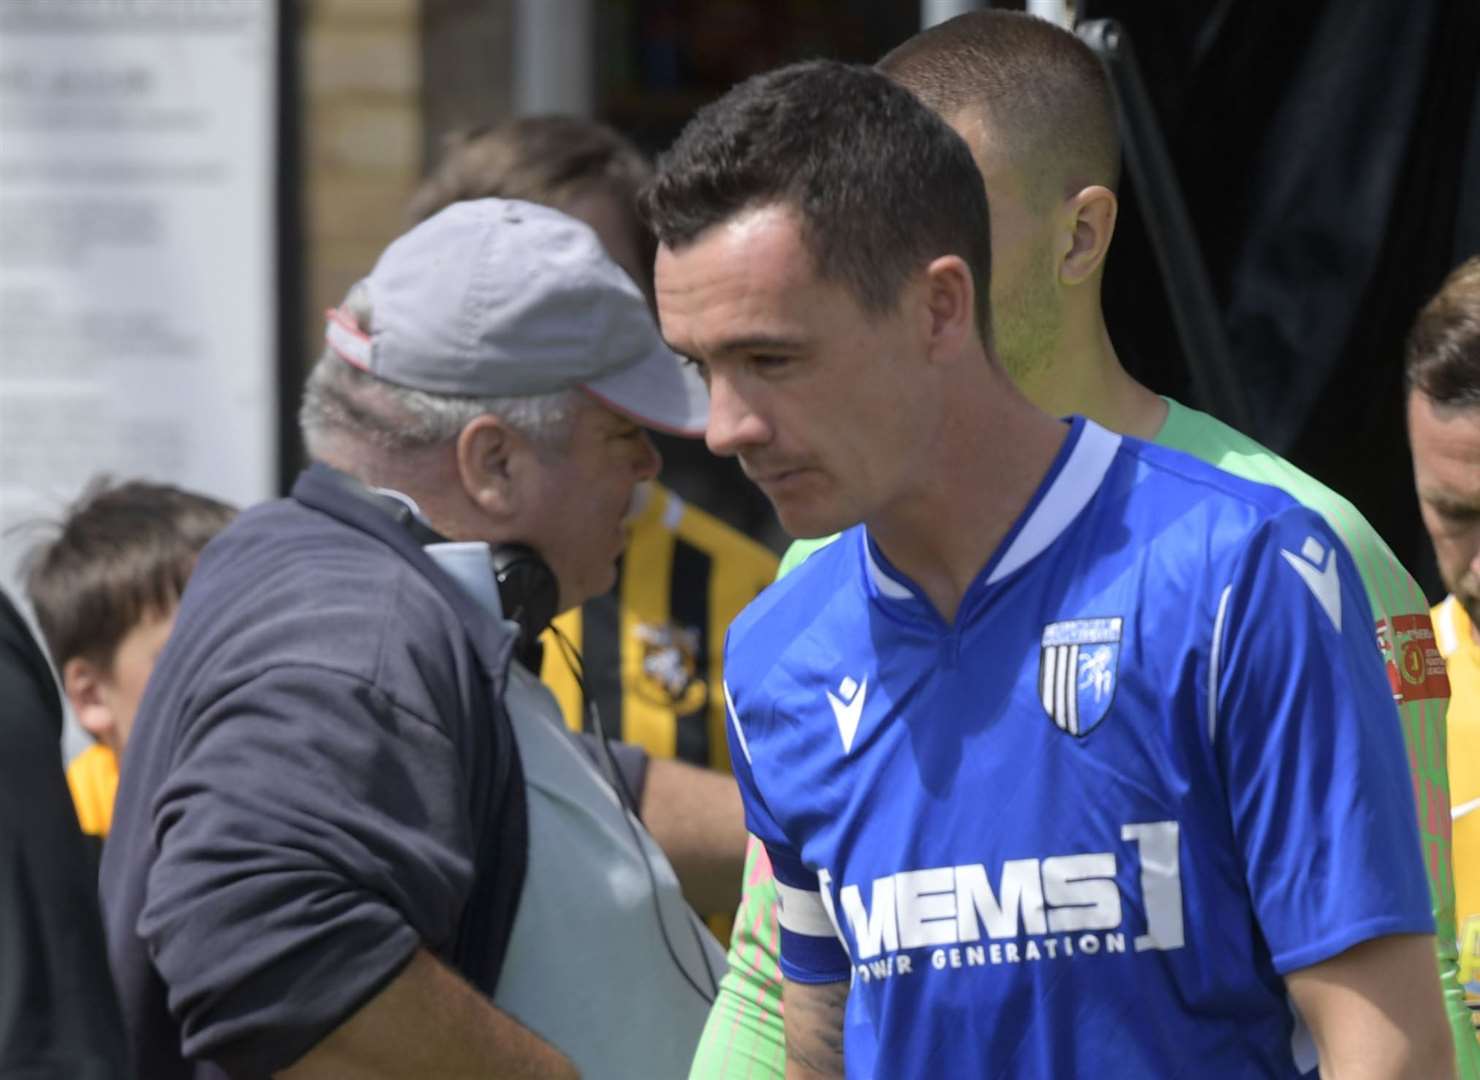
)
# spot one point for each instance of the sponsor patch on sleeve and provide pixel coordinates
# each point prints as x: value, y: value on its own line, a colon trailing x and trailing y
x: 1414, y: 666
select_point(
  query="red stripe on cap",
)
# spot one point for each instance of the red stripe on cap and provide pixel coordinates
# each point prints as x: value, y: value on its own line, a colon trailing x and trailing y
x: 349, y: 342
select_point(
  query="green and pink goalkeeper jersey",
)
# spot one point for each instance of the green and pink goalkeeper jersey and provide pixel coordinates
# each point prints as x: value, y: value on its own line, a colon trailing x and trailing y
x: 744, y: 1034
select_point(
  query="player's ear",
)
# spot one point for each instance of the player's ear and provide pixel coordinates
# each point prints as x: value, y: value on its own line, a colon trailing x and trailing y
x: 950, y: 304
x: 1090, y: 217
x: 86, y: 685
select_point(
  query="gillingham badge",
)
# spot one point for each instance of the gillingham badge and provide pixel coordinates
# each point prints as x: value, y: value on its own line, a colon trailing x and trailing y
x: 1077, y: 672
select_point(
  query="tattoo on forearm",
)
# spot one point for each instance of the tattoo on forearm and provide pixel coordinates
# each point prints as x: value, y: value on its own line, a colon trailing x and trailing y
x: 814, y: 1027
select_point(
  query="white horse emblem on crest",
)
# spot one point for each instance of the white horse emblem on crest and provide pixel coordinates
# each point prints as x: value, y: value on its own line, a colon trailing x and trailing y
x: 1076, y: 672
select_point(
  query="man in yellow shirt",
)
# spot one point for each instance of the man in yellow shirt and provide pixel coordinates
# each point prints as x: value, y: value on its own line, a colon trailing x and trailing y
x: 105, y: 592
x: 1443, y: 378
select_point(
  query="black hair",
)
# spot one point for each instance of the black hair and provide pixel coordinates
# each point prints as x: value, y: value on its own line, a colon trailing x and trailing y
x: 880, y: 184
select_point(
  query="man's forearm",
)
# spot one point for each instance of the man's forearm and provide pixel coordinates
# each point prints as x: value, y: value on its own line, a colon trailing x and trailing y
x: 696, y: 817
x: 429, y: 1022
x: 814, y: 1029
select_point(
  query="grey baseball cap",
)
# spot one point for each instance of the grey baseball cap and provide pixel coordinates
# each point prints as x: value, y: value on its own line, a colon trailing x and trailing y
x: 500, y: 298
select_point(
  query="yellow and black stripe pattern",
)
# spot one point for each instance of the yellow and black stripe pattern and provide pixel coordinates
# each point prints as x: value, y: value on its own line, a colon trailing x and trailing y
x: 653, y: 647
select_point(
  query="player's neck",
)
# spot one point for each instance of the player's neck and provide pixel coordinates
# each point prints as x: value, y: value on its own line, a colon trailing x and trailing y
x: 994, y: 450
x: 1087, y: 377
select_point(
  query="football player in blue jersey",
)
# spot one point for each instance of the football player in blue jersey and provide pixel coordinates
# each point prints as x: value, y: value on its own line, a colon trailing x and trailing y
x: 1074, y: 756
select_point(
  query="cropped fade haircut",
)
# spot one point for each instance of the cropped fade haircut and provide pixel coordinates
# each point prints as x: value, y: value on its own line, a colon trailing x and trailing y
x: 1443, y: 355
x: 880, y: 184
x: 1041, y: 92
x: 122, y: 553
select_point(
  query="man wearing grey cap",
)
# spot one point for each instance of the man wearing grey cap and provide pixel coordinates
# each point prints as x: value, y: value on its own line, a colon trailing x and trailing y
x: 352, y: 836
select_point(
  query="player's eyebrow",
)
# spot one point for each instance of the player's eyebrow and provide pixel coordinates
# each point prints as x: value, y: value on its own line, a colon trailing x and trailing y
x: 760, y: 343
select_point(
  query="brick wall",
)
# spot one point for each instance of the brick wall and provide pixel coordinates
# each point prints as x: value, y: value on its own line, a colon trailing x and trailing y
x: 467, y: 49
x: 381, y: 81
x: 361, y: 79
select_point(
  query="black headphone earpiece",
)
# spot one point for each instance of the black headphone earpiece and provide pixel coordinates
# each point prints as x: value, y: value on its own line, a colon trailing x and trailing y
x: 527, y: 589
x: 528, y: 593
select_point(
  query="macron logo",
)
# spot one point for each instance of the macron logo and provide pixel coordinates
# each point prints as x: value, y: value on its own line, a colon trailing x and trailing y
x: 847, y: 707
x: 1322, y: 582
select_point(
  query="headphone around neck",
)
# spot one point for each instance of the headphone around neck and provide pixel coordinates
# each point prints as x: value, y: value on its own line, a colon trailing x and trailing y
x: 528, y: 592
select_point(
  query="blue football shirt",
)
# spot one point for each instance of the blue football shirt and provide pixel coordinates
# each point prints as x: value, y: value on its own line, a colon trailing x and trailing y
x: 1082, y: 831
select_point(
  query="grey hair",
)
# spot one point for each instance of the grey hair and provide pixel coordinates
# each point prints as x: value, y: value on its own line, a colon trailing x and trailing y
x: 341, y: 400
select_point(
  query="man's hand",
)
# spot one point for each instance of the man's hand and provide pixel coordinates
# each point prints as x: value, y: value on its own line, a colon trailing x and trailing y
x: 1375, y: 1011
x: 696, y: 817
x: 429, y: 1022
x: 814, y: 1029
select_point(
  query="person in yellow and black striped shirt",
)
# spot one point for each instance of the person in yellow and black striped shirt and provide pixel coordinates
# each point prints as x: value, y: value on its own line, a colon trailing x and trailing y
x: 653, y: 646
x: 650, y: 650
x: 105, y: 592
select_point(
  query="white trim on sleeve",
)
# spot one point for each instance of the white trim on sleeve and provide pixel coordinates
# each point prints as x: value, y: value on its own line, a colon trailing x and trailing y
x: 802, y: 912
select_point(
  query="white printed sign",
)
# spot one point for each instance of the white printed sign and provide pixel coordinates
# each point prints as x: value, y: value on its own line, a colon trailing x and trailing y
x: 137, y: 250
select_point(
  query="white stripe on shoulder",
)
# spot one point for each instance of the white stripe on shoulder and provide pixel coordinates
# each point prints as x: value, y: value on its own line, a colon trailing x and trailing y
x: 802, y: 912
x: 1215, y: 661
x: 1464, y: 809
x: 1445, y: 630
x: 887, y: 586
x: 1072, y: 488
x: 735, y: 722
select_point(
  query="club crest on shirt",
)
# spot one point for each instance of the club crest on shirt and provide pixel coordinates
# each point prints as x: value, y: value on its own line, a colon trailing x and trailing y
x: 1077, y: 672
x: 1415, y: 667
x: 670, y: 674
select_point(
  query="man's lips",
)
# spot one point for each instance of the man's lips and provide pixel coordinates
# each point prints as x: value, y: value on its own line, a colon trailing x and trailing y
x: 770, y: 476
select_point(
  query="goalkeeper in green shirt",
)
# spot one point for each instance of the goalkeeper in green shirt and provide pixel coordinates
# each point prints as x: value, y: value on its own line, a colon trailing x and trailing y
x: 1033, y: 104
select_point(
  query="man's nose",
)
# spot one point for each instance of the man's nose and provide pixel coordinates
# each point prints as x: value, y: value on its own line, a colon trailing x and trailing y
x: 734, y: 425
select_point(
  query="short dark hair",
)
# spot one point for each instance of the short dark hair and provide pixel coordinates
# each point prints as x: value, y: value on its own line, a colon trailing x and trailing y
x: 1443, y: 355
x: 1044, y: 92
x: 122, y: 553
x: 552, y: 160
x: 880, y: 183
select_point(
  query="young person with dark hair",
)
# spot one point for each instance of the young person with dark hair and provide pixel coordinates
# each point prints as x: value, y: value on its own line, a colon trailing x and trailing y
x: 1033, y: 104
x: 105, y: 592
x: 1034, y: 801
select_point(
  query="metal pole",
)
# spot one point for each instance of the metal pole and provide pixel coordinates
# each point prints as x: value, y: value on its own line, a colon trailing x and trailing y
x: 1055, y: 11
x: 554, y: 57
x: 938, y: 11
